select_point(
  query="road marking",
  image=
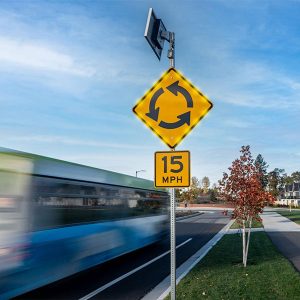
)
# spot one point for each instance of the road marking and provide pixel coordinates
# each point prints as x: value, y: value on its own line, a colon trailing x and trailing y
x: 162, y: 290
x: 109, y: 284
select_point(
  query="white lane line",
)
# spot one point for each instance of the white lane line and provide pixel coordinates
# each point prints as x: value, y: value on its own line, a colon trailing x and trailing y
x: 109, y: 284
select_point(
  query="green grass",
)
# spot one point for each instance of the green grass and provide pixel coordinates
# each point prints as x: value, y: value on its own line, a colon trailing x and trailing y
x: 255, y: 224
x: 293, y: 215
x: 221, y: 275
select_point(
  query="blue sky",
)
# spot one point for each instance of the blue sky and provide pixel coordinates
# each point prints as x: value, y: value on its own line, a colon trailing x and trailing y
x: 71, y: 71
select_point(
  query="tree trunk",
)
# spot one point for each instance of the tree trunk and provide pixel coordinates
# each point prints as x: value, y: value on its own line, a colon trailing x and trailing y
x: 248, y: 241
x: 244, y: 243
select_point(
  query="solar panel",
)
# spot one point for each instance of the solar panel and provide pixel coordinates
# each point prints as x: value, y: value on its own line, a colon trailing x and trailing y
x: 155, y: 29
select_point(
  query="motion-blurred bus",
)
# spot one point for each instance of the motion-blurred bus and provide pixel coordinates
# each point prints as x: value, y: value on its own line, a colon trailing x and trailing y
x: 58, y: 218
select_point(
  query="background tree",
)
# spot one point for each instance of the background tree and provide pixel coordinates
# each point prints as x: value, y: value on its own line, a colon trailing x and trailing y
x: 243, y: 188
x: 296, y: 176
x: 262, y: 166
x: 178, y: 193
x: 276, y: 181
x: 287, y: 179
x: 191, y: 193
x: 205, y: 184
x: 213, y: 193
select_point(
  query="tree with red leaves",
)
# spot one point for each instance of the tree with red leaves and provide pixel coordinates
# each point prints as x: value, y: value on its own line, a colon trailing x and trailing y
x: 243, y: 188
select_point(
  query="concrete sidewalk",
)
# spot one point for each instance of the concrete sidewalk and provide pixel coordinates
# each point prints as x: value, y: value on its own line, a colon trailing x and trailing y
x: 285, y: 234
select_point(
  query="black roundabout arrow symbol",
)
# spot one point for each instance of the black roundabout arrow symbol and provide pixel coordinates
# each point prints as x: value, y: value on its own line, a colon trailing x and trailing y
x: 183, y: 119
x: 175, y: 88
x: 153, y: 112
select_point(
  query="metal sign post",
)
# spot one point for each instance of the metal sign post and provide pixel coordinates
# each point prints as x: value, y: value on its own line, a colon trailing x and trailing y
x: 172, y: 169
x: 171, y: 52
x: 171, y: 56
x: 173, y: 244
x: 156, y: 34
x: 172, y: 95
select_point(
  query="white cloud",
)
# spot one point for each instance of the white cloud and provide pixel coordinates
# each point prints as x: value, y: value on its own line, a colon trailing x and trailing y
x: 67, y: 44
x: 39, y: 57
x: 72, y: 141
x: 252, y: 84
x: 228, y: 74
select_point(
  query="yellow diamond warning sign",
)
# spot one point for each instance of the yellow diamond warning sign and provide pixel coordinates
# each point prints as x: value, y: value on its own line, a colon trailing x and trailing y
x: 172, y: 169
x: 172, y: 107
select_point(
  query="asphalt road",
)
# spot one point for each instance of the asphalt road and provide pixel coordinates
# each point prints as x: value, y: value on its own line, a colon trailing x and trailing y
x: 191, y: 234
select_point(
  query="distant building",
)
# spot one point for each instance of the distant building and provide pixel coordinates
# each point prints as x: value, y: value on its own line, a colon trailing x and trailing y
x: 290, y: 195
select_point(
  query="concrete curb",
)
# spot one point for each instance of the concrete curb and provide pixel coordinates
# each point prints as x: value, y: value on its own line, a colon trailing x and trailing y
x: 162, y: 290
x: 207, y: 208
x: 234, y: 231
